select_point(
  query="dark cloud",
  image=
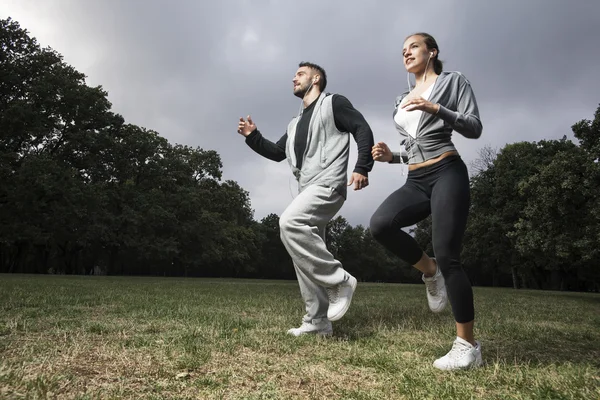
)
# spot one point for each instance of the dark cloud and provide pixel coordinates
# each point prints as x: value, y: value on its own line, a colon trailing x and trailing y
x: 190, y: 69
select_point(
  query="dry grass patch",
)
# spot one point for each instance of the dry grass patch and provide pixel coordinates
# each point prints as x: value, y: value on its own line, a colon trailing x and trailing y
x: 104, y: 338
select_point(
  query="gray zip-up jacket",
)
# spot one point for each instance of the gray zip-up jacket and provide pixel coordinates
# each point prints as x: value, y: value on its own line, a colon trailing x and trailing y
x: 458, y: 112
x: 326, y: 152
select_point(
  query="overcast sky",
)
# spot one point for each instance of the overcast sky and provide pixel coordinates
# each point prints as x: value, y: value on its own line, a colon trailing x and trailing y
x: 189, y: 69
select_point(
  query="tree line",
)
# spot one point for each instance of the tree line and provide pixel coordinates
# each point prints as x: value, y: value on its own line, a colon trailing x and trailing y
x: 84, y: 192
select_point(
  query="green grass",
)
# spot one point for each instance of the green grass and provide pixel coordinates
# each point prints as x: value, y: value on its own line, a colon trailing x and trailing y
x: 111, y: 337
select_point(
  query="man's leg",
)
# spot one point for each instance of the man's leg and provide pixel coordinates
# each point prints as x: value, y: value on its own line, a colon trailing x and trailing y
x: 316, y: 304
x: 302, y: 226
x: 314, y: 296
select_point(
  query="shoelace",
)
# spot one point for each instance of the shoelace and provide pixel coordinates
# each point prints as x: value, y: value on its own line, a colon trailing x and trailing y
x: 333, y: 293
x: 432, y: 288
x: 457, y: 351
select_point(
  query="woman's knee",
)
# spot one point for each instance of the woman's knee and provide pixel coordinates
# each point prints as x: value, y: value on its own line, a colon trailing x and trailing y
x: 379, y: 226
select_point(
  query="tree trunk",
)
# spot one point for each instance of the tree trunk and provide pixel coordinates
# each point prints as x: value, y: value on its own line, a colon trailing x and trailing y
x: 19, y: 262
x: 40, y: 266
x: 112, y: 261
x: 555, y: 280
x: 515, y: 277
x: 495, y: 278
x: 3, y: 260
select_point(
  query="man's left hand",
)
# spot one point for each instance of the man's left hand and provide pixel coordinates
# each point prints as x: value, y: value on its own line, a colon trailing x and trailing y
x: 360, y: 181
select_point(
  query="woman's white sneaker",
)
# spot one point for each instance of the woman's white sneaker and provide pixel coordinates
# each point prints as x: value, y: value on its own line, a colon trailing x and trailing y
x: 322, y: 328
x: 463, y: 355
x: 437, y: 296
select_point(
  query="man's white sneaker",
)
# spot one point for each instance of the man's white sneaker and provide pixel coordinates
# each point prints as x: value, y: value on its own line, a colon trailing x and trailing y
x: 322, y: 328
x: 463, y: 355
x: 437, y: 297
x: 340, y: 297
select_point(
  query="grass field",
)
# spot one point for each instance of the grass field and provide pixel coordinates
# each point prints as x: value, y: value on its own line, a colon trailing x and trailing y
x: 112, y: 337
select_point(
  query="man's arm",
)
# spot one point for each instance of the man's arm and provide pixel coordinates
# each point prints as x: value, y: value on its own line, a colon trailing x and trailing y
x: 256, y: 141
x: 266, y: 148
x: 349, y: 119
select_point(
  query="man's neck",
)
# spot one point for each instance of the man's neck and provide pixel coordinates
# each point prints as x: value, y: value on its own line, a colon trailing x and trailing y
x: 311, y: 96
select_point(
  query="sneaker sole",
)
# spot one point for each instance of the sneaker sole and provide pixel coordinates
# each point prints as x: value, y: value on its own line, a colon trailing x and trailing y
x: 316, y: 333
x: 477, y: 364
x: 472, y: 366
x: 342, y: 312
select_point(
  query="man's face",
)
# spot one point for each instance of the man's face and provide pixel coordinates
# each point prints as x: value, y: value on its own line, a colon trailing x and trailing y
x: 302, y: 80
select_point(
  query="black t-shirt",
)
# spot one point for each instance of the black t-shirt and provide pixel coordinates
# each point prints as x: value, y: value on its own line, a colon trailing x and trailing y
x: 301, y: 139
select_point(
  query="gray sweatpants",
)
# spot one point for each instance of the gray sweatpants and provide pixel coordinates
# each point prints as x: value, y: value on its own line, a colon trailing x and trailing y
x: 302, y: 226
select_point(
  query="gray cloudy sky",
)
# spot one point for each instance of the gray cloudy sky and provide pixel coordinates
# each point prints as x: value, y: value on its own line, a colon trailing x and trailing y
x: 189, y: 69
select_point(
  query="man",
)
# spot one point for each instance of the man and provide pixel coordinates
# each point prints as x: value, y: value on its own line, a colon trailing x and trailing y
x: 317, y: 147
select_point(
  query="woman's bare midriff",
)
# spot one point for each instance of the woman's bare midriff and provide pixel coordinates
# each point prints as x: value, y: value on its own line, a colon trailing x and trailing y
x: 432, y: 161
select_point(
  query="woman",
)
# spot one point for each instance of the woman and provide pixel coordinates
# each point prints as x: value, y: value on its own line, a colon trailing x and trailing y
x: 437, y: 184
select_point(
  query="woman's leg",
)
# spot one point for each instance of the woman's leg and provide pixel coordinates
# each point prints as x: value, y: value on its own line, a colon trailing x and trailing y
x: 404, y: 207
x: 450, y: 199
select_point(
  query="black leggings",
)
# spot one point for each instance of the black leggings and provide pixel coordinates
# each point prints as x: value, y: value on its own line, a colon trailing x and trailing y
x: 442, y: 190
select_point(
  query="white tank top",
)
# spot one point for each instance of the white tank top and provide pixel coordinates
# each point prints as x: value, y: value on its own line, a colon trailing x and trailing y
x: 409, y: 120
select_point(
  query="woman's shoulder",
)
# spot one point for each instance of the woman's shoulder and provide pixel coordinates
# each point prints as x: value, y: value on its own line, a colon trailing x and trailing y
x: 454, y: 76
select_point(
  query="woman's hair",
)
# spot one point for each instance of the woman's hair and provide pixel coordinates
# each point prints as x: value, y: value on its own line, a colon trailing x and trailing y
x: 431, y: 44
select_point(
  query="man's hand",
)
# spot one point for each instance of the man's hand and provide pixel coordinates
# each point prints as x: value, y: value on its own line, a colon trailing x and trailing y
x: 381, y: 152
x: 246, y: 127
x: 360, y: 181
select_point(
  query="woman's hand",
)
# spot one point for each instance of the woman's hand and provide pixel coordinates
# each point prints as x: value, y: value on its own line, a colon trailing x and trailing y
x: 381, y: 152
x: 419, y: 103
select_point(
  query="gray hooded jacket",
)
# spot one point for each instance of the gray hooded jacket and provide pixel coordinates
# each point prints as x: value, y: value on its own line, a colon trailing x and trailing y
x: 458, y: 112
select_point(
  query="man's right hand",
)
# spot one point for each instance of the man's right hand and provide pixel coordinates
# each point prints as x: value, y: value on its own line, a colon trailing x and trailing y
x: 381, y: 152
x: 246, y: 127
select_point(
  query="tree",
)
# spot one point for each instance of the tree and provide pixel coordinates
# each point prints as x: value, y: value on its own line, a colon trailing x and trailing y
x: 555, y: 222
x: 497, y: 204
x: 276, y: 262
x: 588, y: 134
x: 334, y: 231
x: 82, y: 191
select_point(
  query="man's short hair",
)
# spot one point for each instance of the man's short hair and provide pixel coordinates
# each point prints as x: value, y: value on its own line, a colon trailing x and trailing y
x: 323, y: 80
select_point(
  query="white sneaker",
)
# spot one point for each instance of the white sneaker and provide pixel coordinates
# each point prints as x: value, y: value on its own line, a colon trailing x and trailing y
x: 437, y: 297
x: 322, y: 328
x: 340, y: 297
x: 463, y: 355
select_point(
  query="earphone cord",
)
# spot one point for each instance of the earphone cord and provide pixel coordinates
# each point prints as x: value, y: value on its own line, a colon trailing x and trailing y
x: 424, y: 75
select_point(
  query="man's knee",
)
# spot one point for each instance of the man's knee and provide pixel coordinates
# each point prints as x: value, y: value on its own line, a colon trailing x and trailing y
x: 288, y: 223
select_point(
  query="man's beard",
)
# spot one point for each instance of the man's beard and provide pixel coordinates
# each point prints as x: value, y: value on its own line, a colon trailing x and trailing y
x: 301, y: 92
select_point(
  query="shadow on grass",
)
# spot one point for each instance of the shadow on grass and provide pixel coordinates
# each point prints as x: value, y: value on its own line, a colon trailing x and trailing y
x: 368, y: 322
x: 542, y: 350
x: 530, y: 338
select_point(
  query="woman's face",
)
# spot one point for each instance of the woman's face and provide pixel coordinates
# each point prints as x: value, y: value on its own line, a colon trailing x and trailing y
x: 415, y: 54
